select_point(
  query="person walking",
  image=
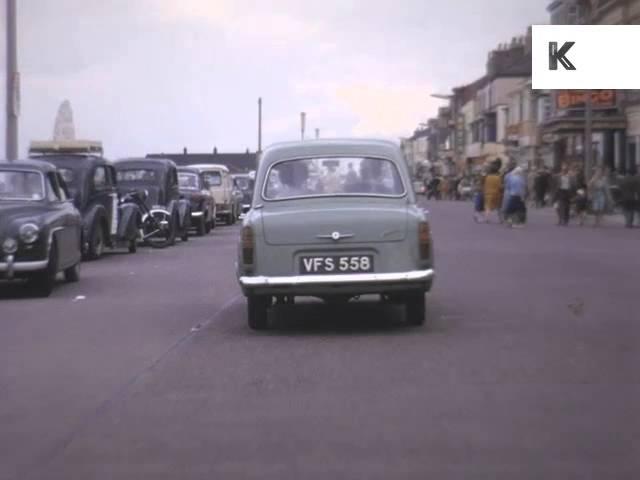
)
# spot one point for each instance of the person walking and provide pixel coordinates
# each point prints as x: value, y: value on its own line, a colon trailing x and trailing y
x: 630, y: 198
x: 516, y: 192
x: 564, y: 188
x: 492, y: 192
x: 600, y: 194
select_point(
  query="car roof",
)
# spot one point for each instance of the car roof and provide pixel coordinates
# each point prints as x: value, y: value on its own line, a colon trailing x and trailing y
x: 330, y: 147
x: 204, y: 167
x: 28, y: 165
x: 66, y: 160
x: 162, y: 163
x: 189, y: 170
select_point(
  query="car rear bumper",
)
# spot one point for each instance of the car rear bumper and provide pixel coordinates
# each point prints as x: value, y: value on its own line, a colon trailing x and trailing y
x: 9, y: 266
x: 358, y: 283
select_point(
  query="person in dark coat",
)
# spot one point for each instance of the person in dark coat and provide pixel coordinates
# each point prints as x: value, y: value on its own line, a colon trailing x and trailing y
x: 564, y: 187
x: 630, y: 198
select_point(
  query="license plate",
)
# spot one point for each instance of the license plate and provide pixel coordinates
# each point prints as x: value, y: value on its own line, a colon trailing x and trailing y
x: 336, y: 264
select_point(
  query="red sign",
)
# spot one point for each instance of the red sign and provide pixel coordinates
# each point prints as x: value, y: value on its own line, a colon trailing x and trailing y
x: 576, y: 99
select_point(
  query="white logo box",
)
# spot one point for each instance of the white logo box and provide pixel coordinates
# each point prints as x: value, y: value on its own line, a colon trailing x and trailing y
x: 604, y: 56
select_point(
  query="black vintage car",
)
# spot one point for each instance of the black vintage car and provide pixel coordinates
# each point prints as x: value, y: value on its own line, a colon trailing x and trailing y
x: 91, y: 180
x: 244, y: 182
x: 158, y: 179
x: 194, y: 187
x: 40, y: 228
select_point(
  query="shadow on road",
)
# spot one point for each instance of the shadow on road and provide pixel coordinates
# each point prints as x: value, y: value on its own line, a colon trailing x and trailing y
x: 353, y: 318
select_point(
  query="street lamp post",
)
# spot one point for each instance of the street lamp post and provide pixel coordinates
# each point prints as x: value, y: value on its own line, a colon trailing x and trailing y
x: 588, y: 134
x: 13, y: 83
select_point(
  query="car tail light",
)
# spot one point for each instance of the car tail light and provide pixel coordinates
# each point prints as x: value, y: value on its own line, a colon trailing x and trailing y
x: 247, y: 245
x: 424, y: 240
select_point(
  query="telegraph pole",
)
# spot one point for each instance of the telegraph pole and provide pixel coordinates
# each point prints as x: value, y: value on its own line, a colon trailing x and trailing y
x: 588, y: 134
x: 13, y: 83
x: 259, y: 124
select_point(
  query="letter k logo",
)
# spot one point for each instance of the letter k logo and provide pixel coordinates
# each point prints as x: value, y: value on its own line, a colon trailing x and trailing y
x: 556, y: 56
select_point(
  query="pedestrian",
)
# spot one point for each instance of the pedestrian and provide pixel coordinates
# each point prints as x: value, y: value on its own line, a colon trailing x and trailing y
x: 492, y: 192
x: 600, y: 194
x: 582, y: 205
x: 630, y: 197
x: 516, y: 192
x: 564, y: 188
x: 539, y: 189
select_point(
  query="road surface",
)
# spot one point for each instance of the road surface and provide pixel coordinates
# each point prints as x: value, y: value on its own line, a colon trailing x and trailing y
x: 528, y: 368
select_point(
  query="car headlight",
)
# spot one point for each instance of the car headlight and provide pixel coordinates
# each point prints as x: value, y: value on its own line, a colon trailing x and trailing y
x: 10, y: 246
x: 29, y: 232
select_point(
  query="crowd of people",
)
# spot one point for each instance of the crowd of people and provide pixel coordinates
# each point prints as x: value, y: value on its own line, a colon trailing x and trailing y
x: 505, y: 194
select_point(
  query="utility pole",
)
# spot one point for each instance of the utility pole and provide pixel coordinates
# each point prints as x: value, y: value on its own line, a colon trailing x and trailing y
x: 303, y: 119
x: 588, y: 134
x: 13, y: 82
x: 259, y: 124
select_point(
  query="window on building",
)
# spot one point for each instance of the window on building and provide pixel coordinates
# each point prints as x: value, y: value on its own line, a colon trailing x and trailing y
x: 491, y: 130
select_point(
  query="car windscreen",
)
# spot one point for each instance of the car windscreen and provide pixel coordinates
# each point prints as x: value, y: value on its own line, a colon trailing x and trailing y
x: 21, y: 185
x: 188, y: 181
x: 214, y: 179
x: 139, y: 175
x: 334, y: 176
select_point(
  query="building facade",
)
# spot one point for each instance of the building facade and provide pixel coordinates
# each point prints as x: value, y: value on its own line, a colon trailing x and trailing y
x: 616, y: 114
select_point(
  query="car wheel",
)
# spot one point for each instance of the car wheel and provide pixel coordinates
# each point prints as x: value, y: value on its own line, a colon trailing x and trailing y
x: 96, y: 242
x: 133, y: 245
x: 415, y: 308
x: 201, y: 228
x: 173, y: 232
x: 44, y: 281
x: 72, y: 274
x: 257, y: 310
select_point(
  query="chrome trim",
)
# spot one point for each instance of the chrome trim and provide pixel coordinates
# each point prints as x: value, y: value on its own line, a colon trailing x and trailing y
x: 357, y: 278
x: 335, y: 236
x: 11, y: 266
x: 197, y: 214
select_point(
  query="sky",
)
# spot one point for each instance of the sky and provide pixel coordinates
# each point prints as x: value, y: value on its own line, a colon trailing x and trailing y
x: 158, y: 75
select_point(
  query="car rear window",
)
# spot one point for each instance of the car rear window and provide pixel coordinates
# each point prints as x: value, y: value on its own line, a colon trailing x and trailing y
x: 136, y: 175
x: 334, y: 176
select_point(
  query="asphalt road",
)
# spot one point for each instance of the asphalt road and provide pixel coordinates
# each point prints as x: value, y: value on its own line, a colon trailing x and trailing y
x: 528, y: 368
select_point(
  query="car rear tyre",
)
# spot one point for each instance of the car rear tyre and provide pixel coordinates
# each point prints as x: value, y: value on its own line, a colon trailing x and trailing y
x: 201, y: 227
x: 173, y: 232
x: 257, y: 311
x: 72, y: 274
x: 96, y: 242
x: 415, y: 309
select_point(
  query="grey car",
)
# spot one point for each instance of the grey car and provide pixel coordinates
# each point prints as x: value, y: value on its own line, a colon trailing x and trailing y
x: 334, y: 219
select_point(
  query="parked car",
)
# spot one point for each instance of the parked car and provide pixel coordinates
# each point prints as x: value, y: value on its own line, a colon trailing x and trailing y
x: 158, y: 179
x: 194, y: 188
x: 245, y: 183
x: 357, y: 231
x: 221, y: 187
x: 91, y: 180
x: 40, y: 229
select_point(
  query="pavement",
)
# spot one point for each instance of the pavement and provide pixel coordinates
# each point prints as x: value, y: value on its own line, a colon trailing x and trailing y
x: 527, y: 367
